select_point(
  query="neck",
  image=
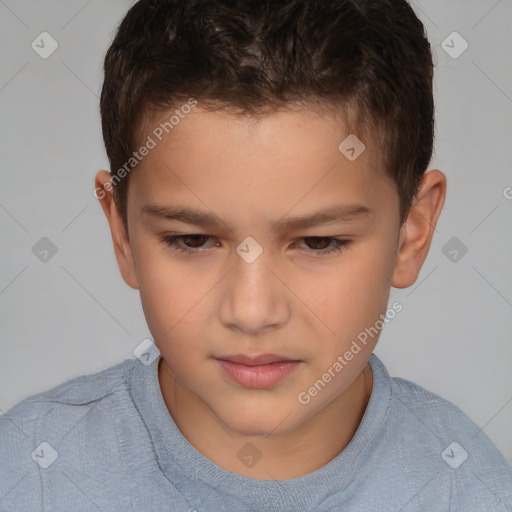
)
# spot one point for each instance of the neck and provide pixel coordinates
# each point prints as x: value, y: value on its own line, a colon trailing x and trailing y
x: 290, y: 455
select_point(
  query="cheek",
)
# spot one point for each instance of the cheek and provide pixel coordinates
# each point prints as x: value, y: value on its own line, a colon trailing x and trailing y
x: 167, y: 291
x: 357, y: 291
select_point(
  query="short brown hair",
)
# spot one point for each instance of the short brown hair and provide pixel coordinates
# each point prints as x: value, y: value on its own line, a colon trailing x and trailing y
x: 370, y: 59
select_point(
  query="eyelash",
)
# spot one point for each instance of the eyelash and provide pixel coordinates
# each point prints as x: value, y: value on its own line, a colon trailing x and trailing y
x: 339, y: 244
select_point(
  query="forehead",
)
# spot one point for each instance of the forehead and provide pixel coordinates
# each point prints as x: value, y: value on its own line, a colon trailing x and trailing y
x: 295, y: 134
x: 282, y: 158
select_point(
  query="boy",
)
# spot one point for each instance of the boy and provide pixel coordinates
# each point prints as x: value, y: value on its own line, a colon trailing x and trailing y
x: 267, y: 188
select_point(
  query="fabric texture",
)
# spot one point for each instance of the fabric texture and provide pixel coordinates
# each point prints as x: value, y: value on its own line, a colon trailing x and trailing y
x: 107, y: 442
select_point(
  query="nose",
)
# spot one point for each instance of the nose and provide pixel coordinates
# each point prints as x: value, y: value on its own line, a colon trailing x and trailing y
x: 254, y: 298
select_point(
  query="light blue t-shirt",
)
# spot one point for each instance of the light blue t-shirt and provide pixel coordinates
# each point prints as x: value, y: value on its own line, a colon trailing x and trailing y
x: 107, y: 442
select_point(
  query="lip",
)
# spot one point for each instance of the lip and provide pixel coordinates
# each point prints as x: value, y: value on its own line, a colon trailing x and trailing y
x: 257, y: 372
x: 255, y: 360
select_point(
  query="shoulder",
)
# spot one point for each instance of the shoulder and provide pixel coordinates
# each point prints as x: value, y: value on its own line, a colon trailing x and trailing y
x: 68, y: 426
x: 56, y: 410
x: 77, y: 391
x: 65, y: 401
x: 437, y: 414
x: 438, y: 438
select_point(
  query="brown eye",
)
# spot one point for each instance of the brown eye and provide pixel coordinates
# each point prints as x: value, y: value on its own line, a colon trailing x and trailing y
x: 194, y: 241
x: 318, y: 243
x: 323, y: 245
x: 186, y: 243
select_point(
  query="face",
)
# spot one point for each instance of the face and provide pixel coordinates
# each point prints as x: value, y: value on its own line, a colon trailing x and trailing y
x: 261, y: 253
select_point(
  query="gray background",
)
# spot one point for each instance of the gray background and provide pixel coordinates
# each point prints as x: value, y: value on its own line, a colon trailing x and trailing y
x: 73, y: 314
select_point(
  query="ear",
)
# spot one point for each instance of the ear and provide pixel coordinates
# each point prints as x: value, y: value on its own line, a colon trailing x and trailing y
x: 104, y: 191
x: 416, y: 233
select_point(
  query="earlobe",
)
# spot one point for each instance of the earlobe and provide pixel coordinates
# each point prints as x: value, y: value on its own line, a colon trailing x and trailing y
x: 122, y: 247
x: 417, y: 232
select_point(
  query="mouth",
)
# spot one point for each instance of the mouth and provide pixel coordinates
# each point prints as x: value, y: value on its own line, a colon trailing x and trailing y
x: 259, y: 372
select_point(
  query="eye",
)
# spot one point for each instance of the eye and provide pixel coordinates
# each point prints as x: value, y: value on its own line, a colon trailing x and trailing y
x: 317, y: 245
x: 195, y: 241
x: 328, y: 244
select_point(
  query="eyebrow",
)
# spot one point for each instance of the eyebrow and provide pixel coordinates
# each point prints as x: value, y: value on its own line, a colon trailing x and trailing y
x: 339, y: 213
